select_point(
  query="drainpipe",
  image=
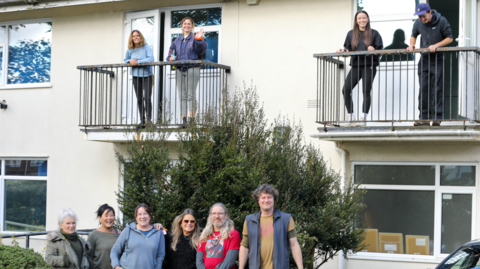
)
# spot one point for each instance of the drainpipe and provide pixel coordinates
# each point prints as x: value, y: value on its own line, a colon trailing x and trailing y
x: 5, y: 3
x: 341, y: 259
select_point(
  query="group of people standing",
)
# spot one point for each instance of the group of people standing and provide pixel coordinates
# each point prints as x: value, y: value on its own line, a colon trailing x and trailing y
x: 268, y: 236
x: 186, y: 47
x: 435, y: 32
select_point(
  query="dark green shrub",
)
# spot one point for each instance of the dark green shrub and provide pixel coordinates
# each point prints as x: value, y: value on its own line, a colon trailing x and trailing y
x: 18, y: 257
x: 224, y: 158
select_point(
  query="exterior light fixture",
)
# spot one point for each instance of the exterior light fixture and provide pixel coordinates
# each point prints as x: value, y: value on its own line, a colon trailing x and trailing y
x: 3, y: 105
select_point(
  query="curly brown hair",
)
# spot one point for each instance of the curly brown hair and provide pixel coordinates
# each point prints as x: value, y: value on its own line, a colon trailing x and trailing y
x: 131, y: 45
x: 265, y: 188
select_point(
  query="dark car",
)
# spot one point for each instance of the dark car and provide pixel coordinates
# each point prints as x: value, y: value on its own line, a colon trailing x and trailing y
x: 465, y: 257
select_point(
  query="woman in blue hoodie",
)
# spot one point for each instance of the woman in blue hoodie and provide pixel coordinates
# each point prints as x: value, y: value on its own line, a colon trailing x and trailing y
x: 361, y: 38
x: 139, y: 52
x: 140, y: 245
x: 187, y: 47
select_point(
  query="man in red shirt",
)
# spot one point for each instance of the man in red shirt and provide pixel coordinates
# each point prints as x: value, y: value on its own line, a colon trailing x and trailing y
x: 220, y: 242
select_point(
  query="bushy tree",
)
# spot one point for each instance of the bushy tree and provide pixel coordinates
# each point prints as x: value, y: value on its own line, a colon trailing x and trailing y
x: 17, y: 257
x: 224, y: 157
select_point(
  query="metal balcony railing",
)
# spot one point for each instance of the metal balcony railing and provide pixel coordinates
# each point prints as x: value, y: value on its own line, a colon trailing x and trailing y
x: 396, y: 93
x: 110, y: 96
x: 29, y: 234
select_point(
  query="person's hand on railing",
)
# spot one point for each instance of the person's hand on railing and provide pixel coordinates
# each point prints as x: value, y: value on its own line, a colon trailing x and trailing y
x: 133, y: 62
x: 199, y: 35
x: 341, y: 50
x: 370, y: 48
x: 411, y: 48
x: 432, y: 48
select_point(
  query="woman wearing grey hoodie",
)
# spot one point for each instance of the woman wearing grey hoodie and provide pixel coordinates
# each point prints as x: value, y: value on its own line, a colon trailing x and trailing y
x: 140, y: 245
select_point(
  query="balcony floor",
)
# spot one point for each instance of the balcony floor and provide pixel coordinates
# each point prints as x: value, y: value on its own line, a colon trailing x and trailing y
x: 122, y: 134
x: 404, y: 131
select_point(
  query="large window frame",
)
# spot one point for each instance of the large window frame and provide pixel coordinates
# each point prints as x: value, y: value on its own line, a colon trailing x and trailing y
x: 385, y: 66
x: 169, y: 31
x: 439, y: 191
x: 4, y: 64
x: 4, y: 178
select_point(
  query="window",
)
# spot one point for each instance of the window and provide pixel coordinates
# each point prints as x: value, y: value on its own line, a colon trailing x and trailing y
x: 23, y: 184
x: 210, y: 19
x: 393, y: 24
x: 416, y: 209
x: 25, y: 53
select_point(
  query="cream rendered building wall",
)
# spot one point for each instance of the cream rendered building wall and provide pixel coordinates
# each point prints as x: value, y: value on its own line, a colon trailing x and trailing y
x: 269, y: 45
x: 44, y: 121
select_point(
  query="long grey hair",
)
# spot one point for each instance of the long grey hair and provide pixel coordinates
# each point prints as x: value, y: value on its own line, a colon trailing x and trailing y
x: 226, y: 229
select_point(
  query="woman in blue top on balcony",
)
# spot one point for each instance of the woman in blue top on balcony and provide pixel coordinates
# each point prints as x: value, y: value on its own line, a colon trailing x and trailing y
x: 139, y: 52
x: 361, y: 38
x: 187, y: 47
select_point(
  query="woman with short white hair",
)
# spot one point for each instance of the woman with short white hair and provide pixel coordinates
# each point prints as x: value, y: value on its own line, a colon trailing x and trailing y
x: 65, y: 249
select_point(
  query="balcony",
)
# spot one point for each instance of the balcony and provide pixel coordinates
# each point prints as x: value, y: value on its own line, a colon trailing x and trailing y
x: 395, y: 99
x: 109, y: 106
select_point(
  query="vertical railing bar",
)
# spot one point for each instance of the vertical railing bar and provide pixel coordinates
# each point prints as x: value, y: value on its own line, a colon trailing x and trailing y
x: 400, y: 90
x: 466, y: 84
x: 393, y: 88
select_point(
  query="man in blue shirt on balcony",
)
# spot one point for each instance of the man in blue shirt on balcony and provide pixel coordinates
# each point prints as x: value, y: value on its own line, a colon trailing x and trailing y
x: 436, y: 32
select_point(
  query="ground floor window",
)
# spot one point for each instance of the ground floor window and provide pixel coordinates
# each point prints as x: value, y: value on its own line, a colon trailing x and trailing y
x: 23, y: 184
x: 417, y: 209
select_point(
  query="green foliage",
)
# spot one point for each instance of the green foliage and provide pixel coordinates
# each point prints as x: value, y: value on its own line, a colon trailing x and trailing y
x: 223, y: 158
x: 18, y: 257
x: 145, y: 173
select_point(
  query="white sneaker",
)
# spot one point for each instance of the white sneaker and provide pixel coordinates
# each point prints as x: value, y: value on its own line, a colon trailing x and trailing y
x: 350, y: 121
x: 361, y: 122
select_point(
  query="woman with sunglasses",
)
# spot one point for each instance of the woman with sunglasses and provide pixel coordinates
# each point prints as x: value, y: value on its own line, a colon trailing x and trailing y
x: 182, y: 242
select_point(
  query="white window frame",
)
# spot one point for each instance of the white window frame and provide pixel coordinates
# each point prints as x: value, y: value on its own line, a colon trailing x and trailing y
x: 4, y: 63
x: 3, y: 179
x: 439, y: 190
x: 169, y: 31
x: 385, y: 66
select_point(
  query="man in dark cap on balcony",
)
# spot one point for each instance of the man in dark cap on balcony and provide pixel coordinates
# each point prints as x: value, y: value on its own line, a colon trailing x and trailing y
x: 436, y: 32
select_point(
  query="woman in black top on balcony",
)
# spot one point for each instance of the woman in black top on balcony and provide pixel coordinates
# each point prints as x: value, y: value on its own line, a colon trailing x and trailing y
x: 361, y: 38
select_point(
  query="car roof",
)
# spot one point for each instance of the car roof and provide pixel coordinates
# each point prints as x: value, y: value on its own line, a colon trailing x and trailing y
x: 473, y: 242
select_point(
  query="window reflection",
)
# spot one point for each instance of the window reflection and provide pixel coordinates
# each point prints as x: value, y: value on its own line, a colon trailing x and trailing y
x: 25, y: 168
x: 377, y: 7
x: 2, y: 33
x: 456, y: 221
x: 147, y: 28
x: 29, y: 53
x: 398, y: 42
x: 25, y: 205
x: 404, y: 220
x: 457, y: 175
x: 395, y: 175
x: 201, y: 17
x: 1, y: 72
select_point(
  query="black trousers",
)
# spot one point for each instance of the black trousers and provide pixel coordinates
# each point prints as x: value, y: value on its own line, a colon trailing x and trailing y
x: 430, y: 97
x: 143, y: 91
x: 367, y: 74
